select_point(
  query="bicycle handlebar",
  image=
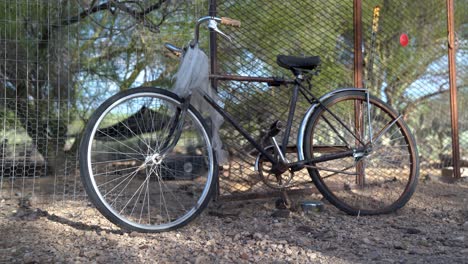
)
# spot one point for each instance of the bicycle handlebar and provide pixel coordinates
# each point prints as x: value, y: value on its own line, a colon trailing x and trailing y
x: 224, y: 20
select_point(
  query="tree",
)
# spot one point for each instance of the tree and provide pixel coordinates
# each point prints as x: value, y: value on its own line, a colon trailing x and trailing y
x: 400, y: 71
x: 54, y: 55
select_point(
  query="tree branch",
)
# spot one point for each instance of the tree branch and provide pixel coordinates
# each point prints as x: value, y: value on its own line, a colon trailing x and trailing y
x: 111, y: 4
x: 151, y: 8
x: 85, y: 13
x: 412, y: 105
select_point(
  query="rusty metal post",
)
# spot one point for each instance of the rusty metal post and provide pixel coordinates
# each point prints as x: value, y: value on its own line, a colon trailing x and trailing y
x: 358, y: 68
x: 358, y: 59
x: 453, y: 89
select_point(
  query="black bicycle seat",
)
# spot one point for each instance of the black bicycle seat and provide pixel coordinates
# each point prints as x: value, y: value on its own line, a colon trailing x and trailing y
x: 298, y: 63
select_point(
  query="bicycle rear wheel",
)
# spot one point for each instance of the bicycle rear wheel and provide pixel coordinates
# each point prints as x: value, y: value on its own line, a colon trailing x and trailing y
x: 377, y: 182
x: 128, y: 177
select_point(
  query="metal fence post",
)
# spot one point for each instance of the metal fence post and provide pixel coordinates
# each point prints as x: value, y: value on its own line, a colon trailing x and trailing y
x: 453, y: 89
x: 213, y: 45
x: 358, y: 65
x: 358, y: 43
x: 212, y: 10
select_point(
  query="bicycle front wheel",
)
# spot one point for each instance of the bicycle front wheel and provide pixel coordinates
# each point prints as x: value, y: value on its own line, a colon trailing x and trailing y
x: 126, y: 173
x: 377, y: 181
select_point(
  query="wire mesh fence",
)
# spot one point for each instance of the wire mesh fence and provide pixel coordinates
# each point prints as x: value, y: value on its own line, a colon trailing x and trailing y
x: 60, y: 59
x: 414, y: 79
x: 36, y: 99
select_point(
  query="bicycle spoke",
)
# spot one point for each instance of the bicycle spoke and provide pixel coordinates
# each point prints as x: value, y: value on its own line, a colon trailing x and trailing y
x: 111, y: 161
x: 131, y: 176
x: 128, y: 154
x: 137, y: 136
x: 386, y: 128
x: 120, y: 142
x: 131, y: 198
x: 114, y: 171
x: 113, y: 180
x: 162, y: 196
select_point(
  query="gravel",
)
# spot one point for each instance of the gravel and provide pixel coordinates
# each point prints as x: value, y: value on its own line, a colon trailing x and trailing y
x: 432, y: 228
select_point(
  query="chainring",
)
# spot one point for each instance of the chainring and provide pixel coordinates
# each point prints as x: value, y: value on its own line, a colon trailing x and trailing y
x: 273, y: 180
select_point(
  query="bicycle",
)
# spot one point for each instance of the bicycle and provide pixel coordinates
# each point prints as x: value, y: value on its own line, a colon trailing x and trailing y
x: 147, y: 161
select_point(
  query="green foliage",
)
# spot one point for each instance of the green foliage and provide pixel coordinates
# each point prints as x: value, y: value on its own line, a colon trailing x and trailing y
x: 414, y: 79
x: 405, y: 74
x: 296, y: 28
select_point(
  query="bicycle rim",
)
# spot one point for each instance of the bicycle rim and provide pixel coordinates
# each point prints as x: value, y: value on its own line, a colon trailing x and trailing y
x: 129, y: 180
x: 378, y: 182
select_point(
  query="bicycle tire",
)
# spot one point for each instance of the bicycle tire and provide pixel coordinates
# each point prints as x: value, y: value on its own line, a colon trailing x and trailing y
x: 389, y: 173
x: 124, y: 176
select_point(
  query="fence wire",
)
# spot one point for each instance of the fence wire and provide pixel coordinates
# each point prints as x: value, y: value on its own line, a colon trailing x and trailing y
x: 36, y: 100
x: 60, y: 59
x: 415, y: 79
x: 270, y: 28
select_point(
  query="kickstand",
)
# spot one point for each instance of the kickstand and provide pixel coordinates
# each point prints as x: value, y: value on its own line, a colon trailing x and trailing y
x: 284, y: 202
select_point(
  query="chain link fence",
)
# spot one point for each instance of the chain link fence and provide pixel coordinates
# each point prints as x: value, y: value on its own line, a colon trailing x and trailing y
x: 270, y: 28
x: 60, y: 59
x: 414, y: 79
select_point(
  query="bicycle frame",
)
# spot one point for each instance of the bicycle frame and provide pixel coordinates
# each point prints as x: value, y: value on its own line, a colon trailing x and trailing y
x: 298, y: 87
x: 281, y: 164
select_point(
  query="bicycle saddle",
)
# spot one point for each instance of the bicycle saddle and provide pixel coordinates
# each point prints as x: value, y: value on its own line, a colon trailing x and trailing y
x: 298, y: 63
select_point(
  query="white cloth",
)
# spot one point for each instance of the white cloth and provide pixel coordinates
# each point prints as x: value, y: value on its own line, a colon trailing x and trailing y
x: 192, y: 78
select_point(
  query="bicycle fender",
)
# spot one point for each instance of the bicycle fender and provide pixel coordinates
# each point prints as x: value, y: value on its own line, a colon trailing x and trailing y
x: 310, y: 111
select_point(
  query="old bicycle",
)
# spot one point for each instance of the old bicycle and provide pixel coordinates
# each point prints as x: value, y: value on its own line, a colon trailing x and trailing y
x: 148, y: 164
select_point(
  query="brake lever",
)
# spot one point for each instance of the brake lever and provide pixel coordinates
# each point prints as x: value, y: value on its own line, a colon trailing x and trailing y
x: 214, y: 26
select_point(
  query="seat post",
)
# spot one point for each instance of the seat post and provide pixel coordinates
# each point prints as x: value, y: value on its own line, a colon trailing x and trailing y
x: 298, y: 74
x: 292, y: 110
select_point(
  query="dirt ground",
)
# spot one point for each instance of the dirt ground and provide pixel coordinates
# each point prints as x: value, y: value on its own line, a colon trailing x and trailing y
x: 432, y: 228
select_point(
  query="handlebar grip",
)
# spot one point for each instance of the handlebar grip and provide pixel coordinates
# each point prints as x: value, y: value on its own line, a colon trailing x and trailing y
x: 230, y: 22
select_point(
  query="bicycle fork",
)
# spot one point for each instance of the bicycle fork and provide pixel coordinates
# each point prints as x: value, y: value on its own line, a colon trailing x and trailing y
x: 175, y: 128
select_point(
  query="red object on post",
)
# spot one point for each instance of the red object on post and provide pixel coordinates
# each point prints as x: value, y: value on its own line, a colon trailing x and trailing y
x: 404, y: 40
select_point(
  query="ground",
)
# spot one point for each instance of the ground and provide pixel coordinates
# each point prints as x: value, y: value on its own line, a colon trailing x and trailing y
x: 432, y: 228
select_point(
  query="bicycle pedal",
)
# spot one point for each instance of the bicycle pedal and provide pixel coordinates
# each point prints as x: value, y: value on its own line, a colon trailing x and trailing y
x: 280, y: 203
